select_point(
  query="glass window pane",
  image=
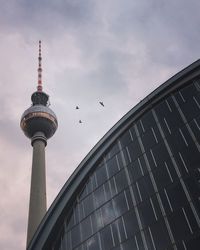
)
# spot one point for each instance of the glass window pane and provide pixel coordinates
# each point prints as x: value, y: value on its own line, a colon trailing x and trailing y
x: 76, y: 214
x: 149, y: 239
x: 77, y: 248
x: 88, y: 204
x: 75, y: 236
x: 158, y: 155
x: 96, y: 219
x: 93, y: 243
x: 135, y: 193
x: 107, y: 191
x: 108, y: 213
x: 133, y: 133
x: 120, y: 204
x: 195, y: 126
x: 162, y: 177
x: 193, y: 243
x: 189, y: 107
x: 138, y: 241
x: 122, y: 232
x: 115, y: 233
x: 119, y: 160
x: 145, y: 123
x: 86, y: 228
x: 172, y: 171
x: 193, y: 186
x: 101, y: 175
x: 89, y: 186
x: 146, y: 187
x: 128, y: 198
x: 125, y: 156
x: 135, y: 170
x: 191, y: 218
x: 114, y: 150
x: 188, y: 158
x: 125, y: 139
x: 67, y: 241
x: 112, y: 186
x: 130, y: 223
x: 160, y: 235
x: 177, y: 196
x: 146, y: 212
x: 134, y: 150
x: 106, y: 238
x: 99, y: 196
x: 179, y: 225
x: 129, y: 245
x: 112, y: 167
x: 148, y: 140
x: 83, y: 193
x: 121, y: 180
x: 173, y: 118
x: 92, y: 183
x: 156, y: 206
x: 70, y: 220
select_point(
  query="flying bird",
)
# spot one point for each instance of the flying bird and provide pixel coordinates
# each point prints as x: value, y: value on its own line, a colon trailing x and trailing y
x: 80, y: 121
x: 102, y: 104
x: 77, y: 107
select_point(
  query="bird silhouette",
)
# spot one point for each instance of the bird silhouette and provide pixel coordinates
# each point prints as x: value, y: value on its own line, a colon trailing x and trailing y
x: 102, y: 104
x: 77, y: 107
x: 80, y: 121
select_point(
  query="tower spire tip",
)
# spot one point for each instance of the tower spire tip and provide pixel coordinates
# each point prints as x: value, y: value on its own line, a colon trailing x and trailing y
x: 39, y: 86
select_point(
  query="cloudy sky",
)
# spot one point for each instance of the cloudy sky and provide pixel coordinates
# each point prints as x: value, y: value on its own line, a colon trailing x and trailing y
x: 115, y: 51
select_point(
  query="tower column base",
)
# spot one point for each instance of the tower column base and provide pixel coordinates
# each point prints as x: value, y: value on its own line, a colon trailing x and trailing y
x: 37, y: 204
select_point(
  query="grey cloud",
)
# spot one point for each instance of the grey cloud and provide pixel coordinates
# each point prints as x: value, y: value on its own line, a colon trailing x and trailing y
x: 47, y: 18
x: 166, y: 30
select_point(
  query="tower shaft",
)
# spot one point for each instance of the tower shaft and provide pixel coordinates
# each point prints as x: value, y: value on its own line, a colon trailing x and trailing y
x: 39, y: 123
x: 37, y: 204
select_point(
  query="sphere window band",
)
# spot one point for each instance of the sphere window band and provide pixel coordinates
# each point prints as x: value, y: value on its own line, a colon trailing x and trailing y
x: 38, y: 114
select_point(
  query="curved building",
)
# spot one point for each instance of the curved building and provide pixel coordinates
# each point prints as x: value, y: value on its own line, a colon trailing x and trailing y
x: 138, y: 188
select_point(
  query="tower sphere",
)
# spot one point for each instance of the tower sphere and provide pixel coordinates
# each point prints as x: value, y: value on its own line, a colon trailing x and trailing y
x: 39, y: 117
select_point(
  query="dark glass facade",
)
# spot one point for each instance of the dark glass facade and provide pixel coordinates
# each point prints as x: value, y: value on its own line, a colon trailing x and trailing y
x: 143, y: 193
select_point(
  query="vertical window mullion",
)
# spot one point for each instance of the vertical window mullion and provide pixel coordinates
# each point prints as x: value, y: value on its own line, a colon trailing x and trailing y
x: 152, y: 205
x: 168, y: 106
x: 140, y: 165
x: 168, y: 172
x: 170, y: 205
x: 153, y: 158
x: 184, y: 164
x: 184, y: 139
x: 183, y: 99
x: 156, y: 139
x: 167, y: 126
x: 188, y: 223
x: 152, y: 238
x: 198, y: 105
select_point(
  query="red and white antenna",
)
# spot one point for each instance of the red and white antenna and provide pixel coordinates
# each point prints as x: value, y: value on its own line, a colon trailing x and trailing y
x: 39, y: 87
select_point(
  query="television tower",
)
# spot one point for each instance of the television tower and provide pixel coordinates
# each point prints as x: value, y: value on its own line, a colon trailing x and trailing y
x: 38, y: 123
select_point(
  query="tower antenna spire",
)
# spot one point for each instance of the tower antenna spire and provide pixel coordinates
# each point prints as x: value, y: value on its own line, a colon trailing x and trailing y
x: 39, y: 87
